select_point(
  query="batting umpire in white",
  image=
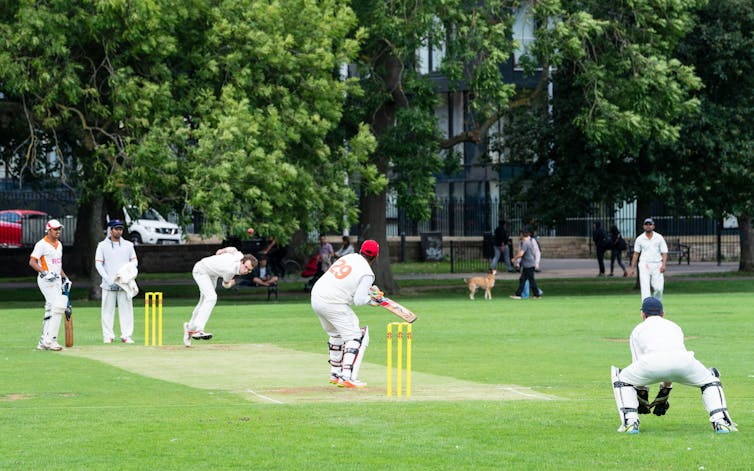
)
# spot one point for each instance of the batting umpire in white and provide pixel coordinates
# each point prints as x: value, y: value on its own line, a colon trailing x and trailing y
x: 348, y: 281
x: 659, y: 355
x: 651, y: 255
x: 47, y: 260
x: 225, y: 264
x: 111, y: 256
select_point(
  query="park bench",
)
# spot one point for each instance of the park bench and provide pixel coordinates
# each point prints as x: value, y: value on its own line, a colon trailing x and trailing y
x: 245, y: 282
x: 677, y: 249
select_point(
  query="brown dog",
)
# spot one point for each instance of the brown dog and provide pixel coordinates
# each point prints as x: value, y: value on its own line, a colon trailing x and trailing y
x: 486, y: 282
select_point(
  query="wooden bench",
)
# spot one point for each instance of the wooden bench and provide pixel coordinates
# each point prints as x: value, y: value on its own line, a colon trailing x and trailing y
x: 677, y: 249
x: 245, y: 282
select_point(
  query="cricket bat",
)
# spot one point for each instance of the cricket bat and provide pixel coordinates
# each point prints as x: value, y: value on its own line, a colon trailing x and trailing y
x: 397, y: 309
x: 68, y: 323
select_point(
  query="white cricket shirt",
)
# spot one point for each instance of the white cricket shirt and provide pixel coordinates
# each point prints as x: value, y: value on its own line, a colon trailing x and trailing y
x: 49, y: 254
x: 656, y: 334
x: 344, y: 281
x: 111, y: 256
x: 225, y: 266
x: 650, y: 250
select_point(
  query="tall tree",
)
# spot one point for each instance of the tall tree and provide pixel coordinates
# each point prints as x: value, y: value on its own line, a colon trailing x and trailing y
x: 619, y: 93
x: 225, y: 105
x: 714, y: 168
x: 399, y: 103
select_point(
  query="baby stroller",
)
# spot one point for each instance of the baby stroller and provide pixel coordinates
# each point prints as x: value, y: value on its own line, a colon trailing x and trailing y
x: 312, y: 270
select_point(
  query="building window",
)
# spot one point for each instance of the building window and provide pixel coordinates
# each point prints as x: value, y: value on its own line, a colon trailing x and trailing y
x: 523, y: 33
x: 432, y: 52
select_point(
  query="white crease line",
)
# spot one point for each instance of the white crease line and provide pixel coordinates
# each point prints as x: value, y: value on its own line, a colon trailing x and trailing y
x: 261, y: 396
x: 538, y: 396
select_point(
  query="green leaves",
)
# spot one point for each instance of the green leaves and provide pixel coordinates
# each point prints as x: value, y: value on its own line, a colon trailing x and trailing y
x: 224, y: 107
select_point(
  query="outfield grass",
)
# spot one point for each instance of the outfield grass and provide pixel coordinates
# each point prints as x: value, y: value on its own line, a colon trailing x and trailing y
x: 133, y: 407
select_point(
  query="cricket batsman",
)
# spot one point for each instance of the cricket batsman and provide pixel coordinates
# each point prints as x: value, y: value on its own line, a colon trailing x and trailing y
x: 349, y: 281
x: 47, y: 260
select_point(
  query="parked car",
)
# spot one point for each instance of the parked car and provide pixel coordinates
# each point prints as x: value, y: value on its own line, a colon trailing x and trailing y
x: 19, y: 227
x: 151, y: 228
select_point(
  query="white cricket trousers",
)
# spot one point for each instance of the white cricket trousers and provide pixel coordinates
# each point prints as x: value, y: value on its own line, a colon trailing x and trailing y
x: 652, y: 281
x: 125, y: 313
x: 678, y: 367
x: 207, y: 299
x: 338, y: 320
x: 50, y: 324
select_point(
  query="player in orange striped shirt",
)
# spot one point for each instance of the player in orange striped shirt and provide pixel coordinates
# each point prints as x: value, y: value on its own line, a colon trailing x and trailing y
x: 47, y: 260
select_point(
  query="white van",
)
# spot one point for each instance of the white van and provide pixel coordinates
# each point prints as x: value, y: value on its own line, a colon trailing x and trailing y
x: 151, y: 228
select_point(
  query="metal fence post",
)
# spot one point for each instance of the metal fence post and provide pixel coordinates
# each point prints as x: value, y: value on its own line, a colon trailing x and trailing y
x: 452, y: 257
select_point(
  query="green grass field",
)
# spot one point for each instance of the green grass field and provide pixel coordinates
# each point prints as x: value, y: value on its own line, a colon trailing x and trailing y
x: 498, y: 384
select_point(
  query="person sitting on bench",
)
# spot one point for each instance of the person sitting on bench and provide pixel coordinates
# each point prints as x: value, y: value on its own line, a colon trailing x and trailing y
x: 262, y: 275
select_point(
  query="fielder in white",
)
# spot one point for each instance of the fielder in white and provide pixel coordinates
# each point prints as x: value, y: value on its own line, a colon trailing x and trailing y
x: 226, y: 264
x: 47, y: 260
x: 659, y: 355
x: 112, y: 254
x: 651, y: 255
x: 349, y: 281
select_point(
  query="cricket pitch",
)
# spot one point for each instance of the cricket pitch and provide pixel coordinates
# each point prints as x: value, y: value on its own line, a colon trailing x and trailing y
x: 266, y: 373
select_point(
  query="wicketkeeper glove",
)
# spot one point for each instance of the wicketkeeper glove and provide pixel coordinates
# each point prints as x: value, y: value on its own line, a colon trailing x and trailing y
x: 49, y: 276
x: 661, y: 405
x: 644, y: 406
x: 375, y: 294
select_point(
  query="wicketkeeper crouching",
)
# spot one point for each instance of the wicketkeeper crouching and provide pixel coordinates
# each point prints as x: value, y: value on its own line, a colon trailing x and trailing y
x: 349, y: 281
x: 659, y: 355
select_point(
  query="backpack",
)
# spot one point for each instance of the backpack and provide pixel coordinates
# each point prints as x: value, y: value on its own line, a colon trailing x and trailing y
x: 620, y: 243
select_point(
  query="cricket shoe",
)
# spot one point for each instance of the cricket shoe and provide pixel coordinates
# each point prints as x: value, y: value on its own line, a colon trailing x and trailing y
x: 631, y: 428
x: 351, y: 383
x: 53, y: 346
x: 186, y: 334
x: 335, y: 378
x: 722, y: 426
x: 201, y: 335
x: 107, y: 340
x: 128, y: 340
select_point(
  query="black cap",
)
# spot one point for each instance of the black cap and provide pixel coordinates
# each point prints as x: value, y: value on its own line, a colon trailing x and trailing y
x: 651, y: 306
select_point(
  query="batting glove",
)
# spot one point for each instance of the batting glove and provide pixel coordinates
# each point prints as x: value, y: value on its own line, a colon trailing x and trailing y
x: 375, y: 294
x: 67, y: 284
x: 49, y: 276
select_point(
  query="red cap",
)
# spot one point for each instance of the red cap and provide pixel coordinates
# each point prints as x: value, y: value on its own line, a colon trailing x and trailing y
x: 370, y: 248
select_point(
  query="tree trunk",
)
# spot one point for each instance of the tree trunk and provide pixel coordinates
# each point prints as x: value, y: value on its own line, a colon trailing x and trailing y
x: 373, y: 224
x: 643, y: 208
x: 746, y: 262
x: 89, y: 232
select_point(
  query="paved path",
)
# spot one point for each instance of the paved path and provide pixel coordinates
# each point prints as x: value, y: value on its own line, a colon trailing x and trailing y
x: 587, y: 268
x: 551, y: 268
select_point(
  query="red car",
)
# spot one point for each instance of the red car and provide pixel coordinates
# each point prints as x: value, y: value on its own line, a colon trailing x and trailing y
x: 13, y: 222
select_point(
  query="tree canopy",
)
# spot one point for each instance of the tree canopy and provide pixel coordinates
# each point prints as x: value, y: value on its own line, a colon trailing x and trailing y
x: 619, y: 91
x: 714, y: 169
x: 224, y: 106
